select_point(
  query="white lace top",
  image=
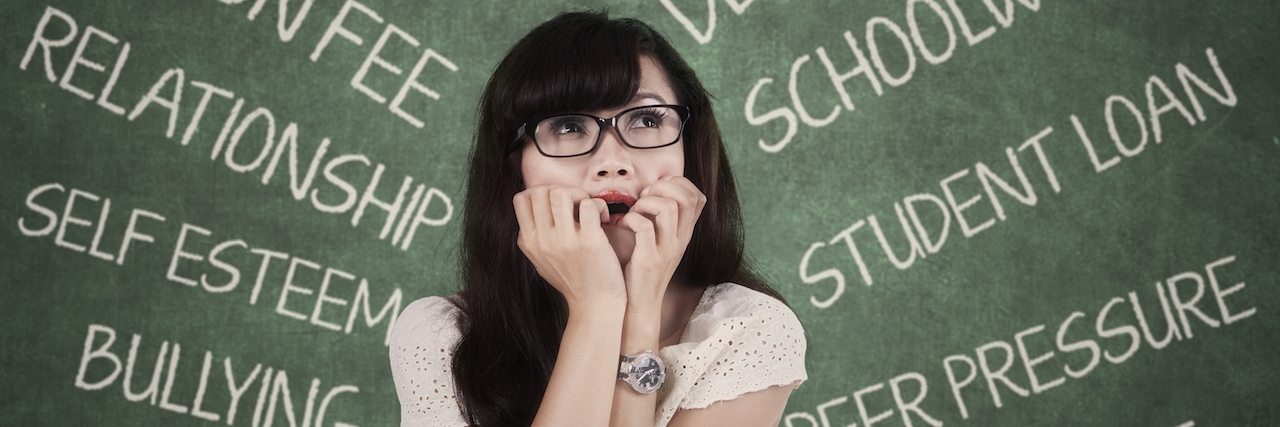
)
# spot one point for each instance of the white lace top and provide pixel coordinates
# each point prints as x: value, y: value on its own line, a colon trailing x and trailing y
x: 737, y: 341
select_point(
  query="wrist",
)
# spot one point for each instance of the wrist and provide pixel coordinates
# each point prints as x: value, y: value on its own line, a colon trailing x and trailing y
x: 644, y: 311
x: 607, y: 311
x: 640, y: 331
x: 643, y: 372
x: 645, y: 305
x: 597, y: 297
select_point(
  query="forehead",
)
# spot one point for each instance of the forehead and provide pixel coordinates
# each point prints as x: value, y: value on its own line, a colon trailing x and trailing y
x: 654, y: 87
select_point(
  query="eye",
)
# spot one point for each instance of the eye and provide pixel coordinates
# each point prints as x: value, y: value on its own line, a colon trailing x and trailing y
x: 647, y: 118
x: 567, y: 126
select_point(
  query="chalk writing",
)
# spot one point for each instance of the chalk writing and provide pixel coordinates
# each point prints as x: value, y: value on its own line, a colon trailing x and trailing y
x: 1178, y: 295
x: 704, y: 36
x: 336, y: 288
x: 871, y: 64
x: 287, y: 29
x: 925, y: 239
x: 100, y: 366
x: 426, y: 205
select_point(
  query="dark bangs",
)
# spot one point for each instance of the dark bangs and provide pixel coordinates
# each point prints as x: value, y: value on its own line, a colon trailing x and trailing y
x: 576, y: 65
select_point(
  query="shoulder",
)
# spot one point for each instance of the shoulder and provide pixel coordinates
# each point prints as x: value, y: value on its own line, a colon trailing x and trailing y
x: 425, y: 318
x: 733, y: 309
x: 737, y: 341
x: 763, y: 324
x: 731, y: 300
x: 421, y: 353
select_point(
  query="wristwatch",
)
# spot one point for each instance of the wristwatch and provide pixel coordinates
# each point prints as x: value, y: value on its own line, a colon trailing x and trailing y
x: 644, y: 372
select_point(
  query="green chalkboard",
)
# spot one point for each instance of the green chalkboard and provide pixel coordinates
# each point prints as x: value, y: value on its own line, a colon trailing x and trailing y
x: 984, y: 212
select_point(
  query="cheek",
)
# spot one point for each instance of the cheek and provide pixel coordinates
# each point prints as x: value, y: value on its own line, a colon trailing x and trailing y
x: 532, y: 167
x: 673, y: 164
x: 537, y: 169
x: 525, y: 168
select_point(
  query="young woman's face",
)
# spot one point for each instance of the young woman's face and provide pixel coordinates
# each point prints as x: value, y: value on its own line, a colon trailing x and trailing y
x: 614, y: 171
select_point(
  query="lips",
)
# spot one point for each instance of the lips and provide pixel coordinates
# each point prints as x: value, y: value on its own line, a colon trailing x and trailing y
x: 619, y: 203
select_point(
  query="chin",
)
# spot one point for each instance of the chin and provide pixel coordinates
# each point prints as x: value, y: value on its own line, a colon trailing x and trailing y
x: 623, y: 242
x: 624, y: 254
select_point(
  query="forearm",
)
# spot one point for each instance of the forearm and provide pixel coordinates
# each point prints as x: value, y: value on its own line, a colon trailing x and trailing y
x: 586, y: 369
x: 640, y: 332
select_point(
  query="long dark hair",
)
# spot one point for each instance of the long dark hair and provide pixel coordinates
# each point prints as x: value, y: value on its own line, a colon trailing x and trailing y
x: 513, y: 319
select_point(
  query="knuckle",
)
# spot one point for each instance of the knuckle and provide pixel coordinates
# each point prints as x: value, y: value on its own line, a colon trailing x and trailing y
x: 688, y: 199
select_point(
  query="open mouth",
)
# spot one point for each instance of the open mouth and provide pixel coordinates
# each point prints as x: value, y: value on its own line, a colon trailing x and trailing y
x: 617, y: 208
x: 619, y: 203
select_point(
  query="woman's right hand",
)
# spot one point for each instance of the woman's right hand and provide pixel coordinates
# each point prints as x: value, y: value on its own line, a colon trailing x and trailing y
x: 560, y: 233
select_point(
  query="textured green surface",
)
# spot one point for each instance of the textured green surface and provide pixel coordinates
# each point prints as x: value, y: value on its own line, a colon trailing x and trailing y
x: 1204, y: 193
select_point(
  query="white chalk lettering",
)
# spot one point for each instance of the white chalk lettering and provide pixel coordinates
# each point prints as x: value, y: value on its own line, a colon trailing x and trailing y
x: 921, y: 240
x: 430, y: 206
x: 704, y: 37
x: 99, y: 349
x: 411, y: 81
x: 777, y: 113
x: 1136, y: 144
x: 871, y: 64
x: 61, y: 223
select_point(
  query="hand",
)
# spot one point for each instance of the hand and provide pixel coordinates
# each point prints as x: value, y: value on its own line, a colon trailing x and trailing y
x: 560, y: 234
x: 663, y: 219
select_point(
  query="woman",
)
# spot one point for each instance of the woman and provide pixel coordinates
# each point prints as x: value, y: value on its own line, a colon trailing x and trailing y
x: 602, y: 254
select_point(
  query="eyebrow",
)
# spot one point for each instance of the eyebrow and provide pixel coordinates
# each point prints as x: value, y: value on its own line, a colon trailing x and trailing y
x: 648, y: 95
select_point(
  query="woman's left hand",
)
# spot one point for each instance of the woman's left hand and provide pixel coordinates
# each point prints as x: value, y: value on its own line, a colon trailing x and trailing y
x: 663, y: 219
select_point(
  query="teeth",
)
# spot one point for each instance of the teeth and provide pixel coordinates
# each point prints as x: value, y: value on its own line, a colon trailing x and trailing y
x: 618, y: 208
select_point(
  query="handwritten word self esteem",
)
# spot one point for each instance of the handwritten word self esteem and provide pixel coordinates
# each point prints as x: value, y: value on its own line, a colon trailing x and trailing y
x: 1109, y: 326
x: 875, y: 70
x: 925, y: 239
x: 167, y: 93
x: 100, y: 367
x: 194, y: 248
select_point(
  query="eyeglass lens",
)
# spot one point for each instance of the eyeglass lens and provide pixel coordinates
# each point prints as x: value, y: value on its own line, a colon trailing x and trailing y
x: 575, y: 134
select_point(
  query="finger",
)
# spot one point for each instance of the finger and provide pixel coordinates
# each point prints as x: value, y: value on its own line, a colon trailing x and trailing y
x: 687, y: 195
x: 665, y: 215
x: 678, y: 188
x: 574, y: 196
x: 562, y: 205
x: 660, y: 182
x: 643, y: 227
x: 524, y: 211
x: 592, y: 208
x: 541, y: 207
x: 525, y: 234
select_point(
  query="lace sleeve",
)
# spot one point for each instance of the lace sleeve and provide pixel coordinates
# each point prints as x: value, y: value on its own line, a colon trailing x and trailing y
x: 422, y: 343
x: 743, y: 341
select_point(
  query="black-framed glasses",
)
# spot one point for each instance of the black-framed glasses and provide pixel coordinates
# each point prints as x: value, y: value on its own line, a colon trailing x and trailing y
x: 570, y: 135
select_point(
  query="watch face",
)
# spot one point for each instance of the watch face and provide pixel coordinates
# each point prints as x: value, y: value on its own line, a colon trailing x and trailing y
x: 648, y: 373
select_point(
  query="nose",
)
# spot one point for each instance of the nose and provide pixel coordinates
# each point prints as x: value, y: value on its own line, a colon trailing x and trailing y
x: 612, y: 158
